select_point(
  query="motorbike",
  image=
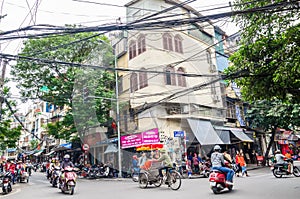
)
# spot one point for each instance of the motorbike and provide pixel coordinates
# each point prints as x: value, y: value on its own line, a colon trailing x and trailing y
x: 135, y: 174
x: 204, y: 169
x: 68, y: 180
x: 280, y: 170
x: 217, y: 180
x: 22, y: 176
x: 54, y: 179
x: 6, y: 182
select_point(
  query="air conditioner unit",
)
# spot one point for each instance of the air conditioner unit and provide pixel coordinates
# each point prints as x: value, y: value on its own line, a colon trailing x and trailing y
x: 185, y: 109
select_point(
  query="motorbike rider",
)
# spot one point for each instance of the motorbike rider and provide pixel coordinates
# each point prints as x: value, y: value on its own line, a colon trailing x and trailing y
x: 66, y: 163
x: 280, y: 159
x: 217, y: 160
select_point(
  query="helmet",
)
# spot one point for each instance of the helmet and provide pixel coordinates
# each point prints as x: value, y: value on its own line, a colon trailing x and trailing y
x: 217, y: 148
x: 67, y: 156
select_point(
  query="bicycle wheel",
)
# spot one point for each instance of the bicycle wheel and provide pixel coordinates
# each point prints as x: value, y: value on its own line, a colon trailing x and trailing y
x: 157, y: 182
x: 175, y: 180
x: 143, y: 180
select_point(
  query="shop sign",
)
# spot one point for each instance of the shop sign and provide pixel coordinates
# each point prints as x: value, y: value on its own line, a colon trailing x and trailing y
x: 147, y: 137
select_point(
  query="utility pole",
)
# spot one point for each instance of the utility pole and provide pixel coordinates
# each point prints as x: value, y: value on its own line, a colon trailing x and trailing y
x: 3, y: 64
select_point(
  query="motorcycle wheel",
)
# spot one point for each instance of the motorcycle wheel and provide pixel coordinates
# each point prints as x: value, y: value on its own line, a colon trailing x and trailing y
x: 296, y: 172
x: 215, y: 190
x: 71, y: 190
x: 276, y: 174
x: 230, y: 187
x: 143, y: 180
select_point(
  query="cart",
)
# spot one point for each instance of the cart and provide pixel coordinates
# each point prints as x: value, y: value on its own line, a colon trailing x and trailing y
x: 149, y: 174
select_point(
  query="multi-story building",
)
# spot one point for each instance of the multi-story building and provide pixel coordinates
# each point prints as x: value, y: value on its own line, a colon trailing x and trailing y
x: 174, y: 83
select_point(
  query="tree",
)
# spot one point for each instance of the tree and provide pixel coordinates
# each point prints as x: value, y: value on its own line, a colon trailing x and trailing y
x: 269, y: 51
x: 270, y: 115
x: 9, y: 134
x: 59, y: 83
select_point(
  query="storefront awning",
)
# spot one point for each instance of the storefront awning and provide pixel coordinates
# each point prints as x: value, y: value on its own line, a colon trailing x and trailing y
x: 238, y: 133
x: 224, y: 135
x: 51, y: 152
x: 62, y: 147
x: 111, y: 149
x: 39, y: 152
x: 204, y: 132
x: 241, y: 135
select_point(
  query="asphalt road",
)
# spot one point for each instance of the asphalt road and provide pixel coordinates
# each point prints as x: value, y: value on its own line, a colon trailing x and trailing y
x: 260, y: 184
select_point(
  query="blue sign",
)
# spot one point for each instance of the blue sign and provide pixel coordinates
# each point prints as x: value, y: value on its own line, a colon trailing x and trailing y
x: 178, y: 133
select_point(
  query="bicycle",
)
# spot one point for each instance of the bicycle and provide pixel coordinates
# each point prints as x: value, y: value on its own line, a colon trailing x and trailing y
x: 171, y: 177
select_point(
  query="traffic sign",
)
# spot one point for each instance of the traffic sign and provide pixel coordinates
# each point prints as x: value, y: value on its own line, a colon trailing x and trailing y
x: 85, y: 147
x: 178, y: 133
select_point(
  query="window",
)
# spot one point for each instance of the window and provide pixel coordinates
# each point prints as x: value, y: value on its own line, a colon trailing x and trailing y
x: 143, y: 80
x: 170, y: 76
x: 180, y: 78
x: 178, y: 44
x: 141, y: 44
x: 208, y: 57
x: 132, y: 49
x: 133, y: 82
x: 167, y: 42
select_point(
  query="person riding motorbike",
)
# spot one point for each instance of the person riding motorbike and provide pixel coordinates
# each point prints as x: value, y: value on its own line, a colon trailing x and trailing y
x: 217, y: 160
x: 66, y: 163
x: 280, y: 159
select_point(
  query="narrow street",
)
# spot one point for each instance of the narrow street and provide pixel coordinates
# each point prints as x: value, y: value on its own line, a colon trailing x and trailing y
x: 260, y: 184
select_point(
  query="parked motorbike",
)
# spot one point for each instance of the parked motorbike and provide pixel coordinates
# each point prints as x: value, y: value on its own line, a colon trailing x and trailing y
x: 54, y: 179
x: 280, y: 170
x: 6, y: 182
x: 204, y: 169
x: 217, y: 180
x: 68, y: 180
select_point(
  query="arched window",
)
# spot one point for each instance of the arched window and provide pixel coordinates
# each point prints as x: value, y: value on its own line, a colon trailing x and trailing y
x: 133, y: 82
x: 178, y: 44
x: 132, y: 49
x: 208, y: 57
x: 167, y: 42
x: 170, y: 76
x: 181, y: 78
x: 141, y: 44
x: 143, y: 79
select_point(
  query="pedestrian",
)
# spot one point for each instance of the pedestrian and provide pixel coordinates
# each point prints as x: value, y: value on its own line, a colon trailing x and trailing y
x: 243, y: 163
x: 238, y: 169
x: 195, y: 163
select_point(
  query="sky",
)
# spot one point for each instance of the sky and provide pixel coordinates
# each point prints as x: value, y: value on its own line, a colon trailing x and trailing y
x: 22, y: 13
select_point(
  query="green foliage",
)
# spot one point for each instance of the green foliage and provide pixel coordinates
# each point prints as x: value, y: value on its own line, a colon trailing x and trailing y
x: 61, y: 80
x: 9, y: 134
x: 269, y: 115
x: 33, y: 144
x: 269, y: 52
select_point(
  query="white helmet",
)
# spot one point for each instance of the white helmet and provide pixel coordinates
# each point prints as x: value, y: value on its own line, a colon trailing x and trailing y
x: 217, y: 148
x: 67, y: 156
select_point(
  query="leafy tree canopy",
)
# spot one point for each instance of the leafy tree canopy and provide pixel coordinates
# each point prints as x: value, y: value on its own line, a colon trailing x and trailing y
x: 269, y: 51
x: 9, y: 133
x: 51, y: 79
